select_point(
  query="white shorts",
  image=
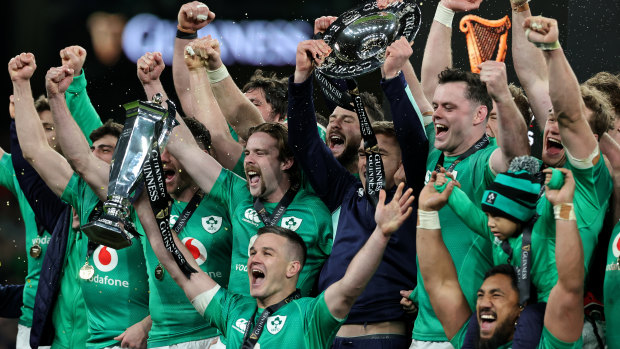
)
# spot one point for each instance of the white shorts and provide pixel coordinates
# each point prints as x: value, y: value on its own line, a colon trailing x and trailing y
x: 23, y: 338
x: 416, y: 344
x: 209, y: 343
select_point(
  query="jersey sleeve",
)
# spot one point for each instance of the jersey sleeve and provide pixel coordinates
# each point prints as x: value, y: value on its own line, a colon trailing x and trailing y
x: 218, y: 311
x: 470, y: 214
x: 328, y: 177
x: 410, y: 132
x: 72, y: 191
x: 7, y: 173
x: 229, y: 189
x: 321, y: 326
x: 81, y: 107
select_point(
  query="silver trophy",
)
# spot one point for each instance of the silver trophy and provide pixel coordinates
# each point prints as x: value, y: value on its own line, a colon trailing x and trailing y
x: 146, y: 121
x: 359, y: 37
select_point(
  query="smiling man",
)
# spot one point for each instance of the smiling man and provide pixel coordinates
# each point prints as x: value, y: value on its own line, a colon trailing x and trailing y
x: 276, y: 316
x: 270, y: 195
x: 497, y: 308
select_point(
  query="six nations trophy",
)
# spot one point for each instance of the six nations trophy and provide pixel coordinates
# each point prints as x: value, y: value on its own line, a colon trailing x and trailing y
x: 146, y: 122
x: 359, y: 39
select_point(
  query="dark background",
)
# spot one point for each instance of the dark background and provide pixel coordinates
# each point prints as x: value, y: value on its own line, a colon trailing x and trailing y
x: 589, y: 34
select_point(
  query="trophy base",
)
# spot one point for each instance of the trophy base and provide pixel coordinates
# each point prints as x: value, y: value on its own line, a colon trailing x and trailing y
x: 110, y: 235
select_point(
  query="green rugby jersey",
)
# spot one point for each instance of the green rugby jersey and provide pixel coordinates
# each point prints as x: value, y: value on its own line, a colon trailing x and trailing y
x: 593, y: 187
x: 547, y: 340
x: 9, y: 181
x: 306, y: 215
x: 543, y: 272
x: 470, y: 252
x: 611, y: 290
x: 116, y: 296
x: 208, y: 236
x: 69, y: 314
x: 304, y: 323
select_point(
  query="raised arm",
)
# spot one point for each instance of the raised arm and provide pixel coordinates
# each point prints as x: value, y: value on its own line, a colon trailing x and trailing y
x: 341, y: 295
x: 198, y: 282
x: 197, y: 162
x: 512, y: 138
x: 191, y: 17
x: 564, y: 314
x: 197, y: 57
x: 438, y: 53
x: 435, y: 263
x: 74, y: 145
x: 79, y: 103
x: 568, y: 106
x: 611, y: 149
x: 52, y: 167
x: 530, y: 65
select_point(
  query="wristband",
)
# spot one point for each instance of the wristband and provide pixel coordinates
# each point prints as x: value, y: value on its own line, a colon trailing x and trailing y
x: 444, y: 15
x: 428, y: 220
x: 218, y: 74
x: 564, y: 212
x: 185, y: 35
x: 520, y: 7
x: 427, y: 116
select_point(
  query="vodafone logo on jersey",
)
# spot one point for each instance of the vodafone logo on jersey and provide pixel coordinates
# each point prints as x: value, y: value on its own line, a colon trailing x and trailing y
x: 616, y: 246
x: 105, y: 258
x: 196, y: 248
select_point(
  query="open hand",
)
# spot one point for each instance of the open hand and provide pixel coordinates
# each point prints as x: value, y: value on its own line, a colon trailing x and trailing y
x: 391, y: 216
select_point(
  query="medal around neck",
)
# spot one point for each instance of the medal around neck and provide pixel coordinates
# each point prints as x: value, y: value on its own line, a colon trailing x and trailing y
x: 35, y: 251
x: 146, y: 122
x: 87, y: 271
x: 359, y: 37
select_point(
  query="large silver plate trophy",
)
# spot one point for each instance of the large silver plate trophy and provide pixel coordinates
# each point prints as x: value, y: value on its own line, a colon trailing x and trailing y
x: 146, y: 121
x: 359, y: 37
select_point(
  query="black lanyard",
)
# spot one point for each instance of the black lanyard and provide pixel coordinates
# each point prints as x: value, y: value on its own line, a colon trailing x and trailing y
x: 286, y: 200
x: 160, y: 204
x: 524, y: 272
x: 188, y: 211
x: 249, y: 340
x: 375, y: 175
x: 480, y: 144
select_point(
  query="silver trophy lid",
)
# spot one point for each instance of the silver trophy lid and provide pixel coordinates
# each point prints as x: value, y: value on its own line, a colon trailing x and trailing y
x: 359, y: 37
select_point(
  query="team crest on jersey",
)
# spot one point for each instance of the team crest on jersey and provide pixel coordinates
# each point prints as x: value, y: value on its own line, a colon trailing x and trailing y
x: 252, y: 239
x: 212, y: 224
x: 196, y: 248
x: 275, y: 323
x: 251, y: 216
x: 240, y: 325
x: 105, y: 258
x: 291, y: 223
x: 173, y: 219
x: 616, y: 246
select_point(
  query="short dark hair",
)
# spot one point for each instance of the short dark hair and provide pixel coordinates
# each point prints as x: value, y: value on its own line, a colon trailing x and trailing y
x: 476, y: 89
x: 200, y: 132
x: 285, y: 152
x: 274, y: 88
x: 372, y: 106
x: 522, y: 102
x: 602, y: 119
x: 609, y: 85
x: 300, y: 246
x: 504, y: 269
x: 41, y: 104
x: 385, y: 128
x: 108, y: 128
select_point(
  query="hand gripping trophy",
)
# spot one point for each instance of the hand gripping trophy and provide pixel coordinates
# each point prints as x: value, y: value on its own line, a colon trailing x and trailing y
x: 145, y: 123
